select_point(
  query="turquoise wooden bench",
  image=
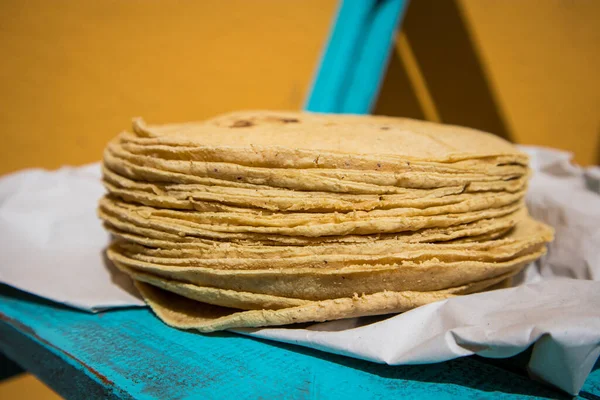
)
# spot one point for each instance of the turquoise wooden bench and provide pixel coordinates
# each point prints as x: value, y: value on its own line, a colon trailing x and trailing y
x: 130, y: 354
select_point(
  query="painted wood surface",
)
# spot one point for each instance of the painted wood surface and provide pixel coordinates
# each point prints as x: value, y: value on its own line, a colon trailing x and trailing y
x: 355, y: 57
x: 131, y: 354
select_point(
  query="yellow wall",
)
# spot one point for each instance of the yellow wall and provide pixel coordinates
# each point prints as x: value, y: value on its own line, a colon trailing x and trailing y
x: 543, y: 61
x: 26, y: 387
x: 524, y: 69
x: 73, y: 73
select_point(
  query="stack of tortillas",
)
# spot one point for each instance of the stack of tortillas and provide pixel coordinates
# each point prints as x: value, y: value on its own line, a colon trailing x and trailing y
x: 270, y: 218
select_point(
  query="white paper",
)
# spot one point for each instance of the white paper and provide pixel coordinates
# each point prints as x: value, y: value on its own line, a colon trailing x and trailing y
x: 52, y: 245
x: 52, y: 242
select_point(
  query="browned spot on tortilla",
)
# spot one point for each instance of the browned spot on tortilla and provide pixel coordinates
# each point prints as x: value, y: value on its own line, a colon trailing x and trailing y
x: 284, y: 120
x: 242, y: 123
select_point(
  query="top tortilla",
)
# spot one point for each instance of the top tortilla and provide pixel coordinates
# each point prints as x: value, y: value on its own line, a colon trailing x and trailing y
x: 295, y: 136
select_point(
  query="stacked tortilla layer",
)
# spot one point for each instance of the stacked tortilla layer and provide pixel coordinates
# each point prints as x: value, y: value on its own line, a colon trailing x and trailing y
x: 269, y: 218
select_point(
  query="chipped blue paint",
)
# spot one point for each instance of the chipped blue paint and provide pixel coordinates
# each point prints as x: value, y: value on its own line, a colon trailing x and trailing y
x: 131, y: 354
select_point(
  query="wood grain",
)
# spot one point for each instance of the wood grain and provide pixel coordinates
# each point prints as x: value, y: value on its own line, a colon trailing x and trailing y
x: 131, y: 354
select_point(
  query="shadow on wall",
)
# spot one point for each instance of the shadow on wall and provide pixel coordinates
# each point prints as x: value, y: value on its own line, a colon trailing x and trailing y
x: 449, y: 65
x: 397, y: 96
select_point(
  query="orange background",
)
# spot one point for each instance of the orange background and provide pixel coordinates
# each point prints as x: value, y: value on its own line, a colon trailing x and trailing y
x: 75, y: 72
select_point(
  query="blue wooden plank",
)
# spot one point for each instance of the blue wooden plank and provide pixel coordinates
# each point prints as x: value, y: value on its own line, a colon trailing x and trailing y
x: 369, y: 69
x: 591, y: 387
x: 129, y: 353
x: 355, y: 58
x: 61, y: 371
x: 338, y: 58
